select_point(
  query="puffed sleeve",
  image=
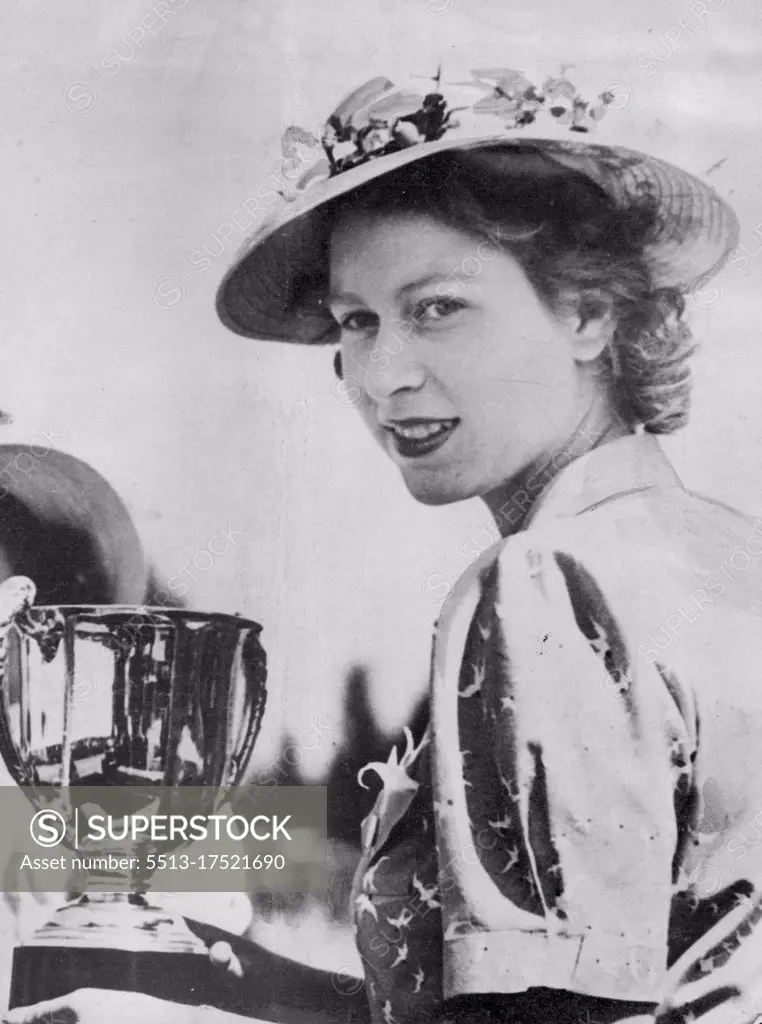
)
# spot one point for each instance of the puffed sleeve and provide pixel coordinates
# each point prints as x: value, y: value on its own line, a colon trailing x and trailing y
x: 560, y: 755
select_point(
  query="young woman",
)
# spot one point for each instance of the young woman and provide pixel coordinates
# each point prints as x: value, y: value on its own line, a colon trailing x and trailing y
x: 570, y: 839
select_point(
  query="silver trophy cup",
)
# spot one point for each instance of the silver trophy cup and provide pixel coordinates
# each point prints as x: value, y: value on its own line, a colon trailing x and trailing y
x: 122, y: 696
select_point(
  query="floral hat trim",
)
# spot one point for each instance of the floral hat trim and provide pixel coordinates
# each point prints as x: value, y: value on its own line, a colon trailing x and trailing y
x: 378, y: 118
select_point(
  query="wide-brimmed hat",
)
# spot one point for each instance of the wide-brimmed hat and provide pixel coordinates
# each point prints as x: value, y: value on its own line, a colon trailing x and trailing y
x: 274, y: 290
x: 61, y: 519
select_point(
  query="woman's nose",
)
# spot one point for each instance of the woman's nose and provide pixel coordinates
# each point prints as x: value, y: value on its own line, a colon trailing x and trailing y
x: 389, y: 365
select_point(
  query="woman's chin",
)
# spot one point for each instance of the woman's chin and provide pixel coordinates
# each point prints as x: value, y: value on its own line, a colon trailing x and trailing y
x: 435, y: 492
x: 435, y: 498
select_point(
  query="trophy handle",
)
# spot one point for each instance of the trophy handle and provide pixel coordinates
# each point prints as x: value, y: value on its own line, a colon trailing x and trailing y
x: 17, y: 595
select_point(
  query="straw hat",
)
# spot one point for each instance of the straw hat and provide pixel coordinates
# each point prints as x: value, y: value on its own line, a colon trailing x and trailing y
x: 61, y: 522
x: 273, y: 291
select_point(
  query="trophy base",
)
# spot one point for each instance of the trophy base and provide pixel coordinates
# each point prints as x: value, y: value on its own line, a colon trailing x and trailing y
x: 114, y: 941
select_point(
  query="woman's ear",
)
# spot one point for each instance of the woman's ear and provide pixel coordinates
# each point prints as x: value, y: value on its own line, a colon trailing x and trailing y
x: 593, y: 323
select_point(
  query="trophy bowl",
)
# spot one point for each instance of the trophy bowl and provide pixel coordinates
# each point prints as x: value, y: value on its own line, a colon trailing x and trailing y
x: 127, y: 696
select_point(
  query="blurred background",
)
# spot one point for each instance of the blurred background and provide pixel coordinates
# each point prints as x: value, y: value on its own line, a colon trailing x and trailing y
x: 136, y: 139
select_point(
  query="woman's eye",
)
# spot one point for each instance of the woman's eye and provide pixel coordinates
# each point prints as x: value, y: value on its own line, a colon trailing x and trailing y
x: 361, y: 320
x: 435, y: 310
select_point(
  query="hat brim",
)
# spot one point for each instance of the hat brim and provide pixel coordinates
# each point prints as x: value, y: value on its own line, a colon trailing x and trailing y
x: 272, y: 291
x: 60, y: 490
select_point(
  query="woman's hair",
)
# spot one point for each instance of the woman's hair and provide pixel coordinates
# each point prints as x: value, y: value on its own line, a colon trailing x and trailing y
x: 575, y: 246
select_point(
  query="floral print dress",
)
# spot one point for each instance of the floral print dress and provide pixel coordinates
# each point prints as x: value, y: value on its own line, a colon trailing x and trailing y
x: 578, y: 814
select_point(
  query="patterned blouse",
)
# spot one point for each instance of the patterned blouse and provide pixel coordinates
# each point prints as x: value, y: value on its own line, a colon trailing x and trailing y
x: 584, y: 811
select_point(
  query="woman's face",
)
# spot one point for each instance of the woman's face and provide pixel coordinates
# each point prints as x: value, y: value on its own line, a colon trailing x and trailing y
x: 465, y: 381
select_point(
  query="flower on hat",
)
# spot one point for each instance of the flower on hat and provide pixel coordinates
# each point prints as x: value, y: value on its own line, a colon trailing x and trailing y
x: 376, y: 136
x: 295, y: 139
x: 378, y: 119
x: 555, y: 87
x: 405, y: 133
x: 512, y: 96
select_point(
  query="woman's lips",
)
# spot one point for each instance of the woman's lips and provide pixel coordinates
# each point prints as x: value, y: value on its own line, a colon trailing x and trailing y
x: 414, y: 438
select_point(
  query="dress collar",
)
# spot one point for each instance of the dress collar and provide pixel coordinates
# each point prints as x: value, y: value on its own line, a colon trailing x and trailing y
x: 633, y: 463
